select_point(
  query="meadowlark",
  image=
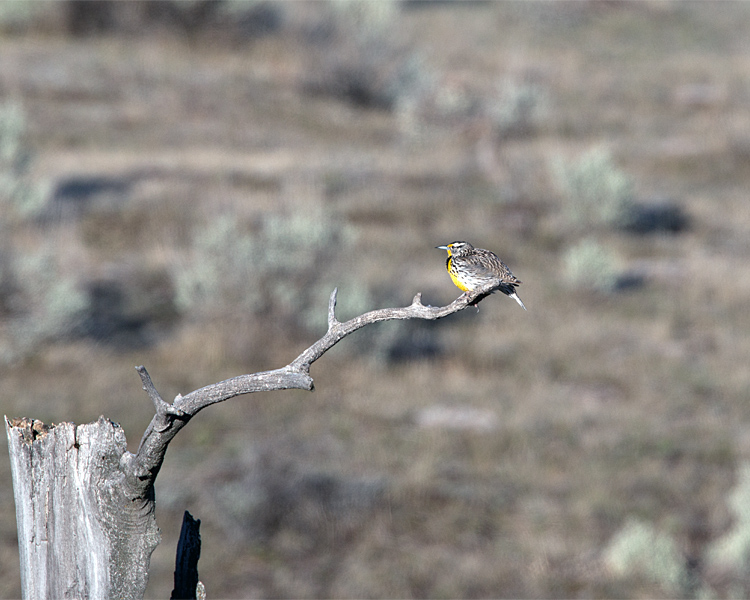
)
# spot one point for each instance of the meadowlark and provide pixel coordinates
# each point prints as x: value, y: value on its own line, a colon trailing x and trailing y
x: 471, y: 267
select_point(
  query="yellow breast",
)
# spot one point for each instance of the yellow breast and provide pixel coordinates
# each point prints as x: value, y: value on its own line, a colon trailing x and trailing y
x: 452, y: 273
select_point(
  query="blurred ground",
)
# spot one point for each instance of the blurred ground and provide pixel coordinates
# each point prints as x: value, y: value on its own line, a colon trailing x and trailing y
x: 495, y: 454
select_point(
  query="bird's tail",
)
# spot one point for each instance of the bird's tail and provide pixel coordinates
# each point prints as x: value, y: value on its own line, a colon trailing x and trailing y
x: 517, y: 299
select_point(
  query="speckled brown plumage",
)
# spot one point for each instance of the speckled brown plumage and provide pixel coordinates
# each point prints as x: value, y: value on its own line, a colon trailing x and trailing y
x: 471, y: 268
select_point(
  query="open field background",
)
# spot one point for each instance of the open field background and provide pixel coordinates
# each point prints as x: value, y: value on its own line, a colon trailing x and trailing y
x: 210, y: 177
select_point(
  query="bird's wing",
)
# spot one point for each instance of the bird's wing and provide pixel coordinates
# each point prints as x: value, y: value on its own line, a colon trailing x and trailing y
x: 491, y: 266
x: 481, y: 265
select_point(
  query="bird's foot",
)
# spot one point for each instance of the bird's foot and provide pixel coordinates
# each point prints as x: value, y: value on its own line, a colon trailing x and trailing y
x: 475, y: 304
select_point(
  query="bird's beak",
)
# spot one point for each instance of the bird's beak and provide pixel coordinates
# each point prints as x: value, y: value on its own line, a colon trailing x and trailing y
x: 441, y: 247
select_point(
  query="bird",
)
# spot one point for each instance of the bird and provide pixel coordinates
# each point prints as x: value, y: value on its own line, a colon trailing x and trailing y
x: 471, y: 268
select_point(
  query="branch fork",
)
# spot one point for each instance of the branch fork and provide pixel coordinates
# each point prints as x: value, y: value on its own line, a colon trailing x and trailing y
x: 142, y: 467
x: 164, y: 409
x: 85, y: 504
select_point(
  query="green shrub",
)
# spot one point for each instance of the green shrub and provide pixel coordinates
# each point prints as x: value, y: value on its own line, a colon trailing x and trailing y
x: 40, y: 301
x: 220, y: 273
x: 21, y: 196
x: 364, y: 18
x: 640, y: 549
x: 359, y: 58
x: 17, y: 15
x: 45, y: 304
x: 591, y: 265
x: 517, y: 109
x: 288, y: 265
x: 733, y: 548
x: 595, y: 190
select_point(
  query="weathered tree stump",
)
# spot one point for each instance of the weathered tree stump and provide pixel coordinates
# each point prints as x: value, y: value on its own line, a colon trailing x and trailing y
x: 85, y: 505
x: 80, y: 533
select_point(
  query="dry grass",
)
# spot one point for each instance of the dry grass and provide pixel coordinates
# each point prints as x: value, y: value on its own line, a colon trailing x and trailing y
x: 608, y: 406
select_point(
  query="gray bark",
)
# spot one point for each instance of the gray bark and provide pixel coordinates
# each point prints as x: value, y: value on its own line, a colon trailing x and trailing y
x: 85, y: 505
x: 79, y: 533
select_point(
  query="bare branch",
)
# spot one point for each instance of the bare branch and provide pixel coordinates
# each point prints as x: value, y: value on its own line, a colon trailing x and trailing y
x: 141, y: 468
x: 416, y: 310
x: 332, y: 322
x: 162, y: 407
